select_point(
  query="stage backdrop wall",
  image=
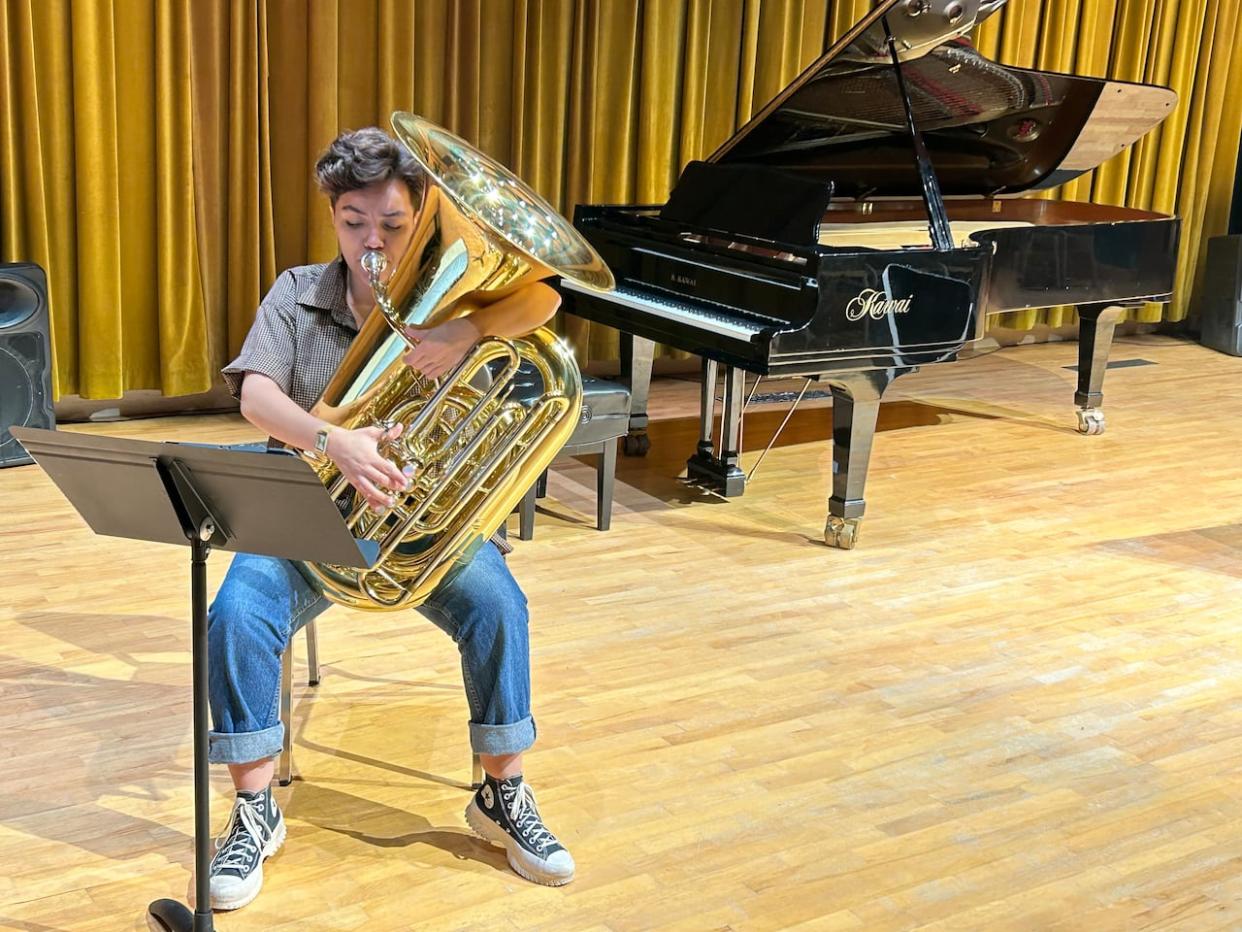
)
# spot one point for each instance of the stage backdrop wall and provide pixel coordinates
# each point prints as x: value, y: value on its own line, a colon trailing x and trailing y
x: 155, y: 156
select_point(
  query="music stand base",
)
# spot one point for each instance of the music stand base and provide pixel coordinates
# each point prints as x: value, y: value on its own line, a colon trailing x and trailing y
x: 171, y: 916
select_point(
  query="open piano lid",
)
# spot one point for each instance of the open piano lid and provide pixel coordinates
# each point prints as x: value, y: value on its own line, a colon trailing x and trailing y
x: 990, y: 129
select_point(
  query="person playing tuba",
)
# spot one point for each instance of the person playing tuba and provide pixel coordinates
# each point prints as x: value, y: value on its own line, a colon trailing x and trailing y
x: 303, y: 329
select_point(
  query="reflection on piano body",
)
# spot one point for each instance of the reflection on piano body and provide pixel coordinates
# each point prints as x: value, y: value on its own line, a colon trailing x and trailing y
x: 867, y: 221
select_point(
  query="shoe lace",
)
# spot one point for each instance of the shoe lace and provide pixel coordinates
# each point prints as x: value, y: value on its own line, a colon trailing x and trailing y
x: 524, y: 813
x: 243, y: 837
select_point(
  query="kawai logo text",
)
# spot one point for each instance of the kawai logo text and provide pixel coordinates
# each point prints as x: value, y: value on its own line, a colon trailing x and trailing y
x: 873, y: 303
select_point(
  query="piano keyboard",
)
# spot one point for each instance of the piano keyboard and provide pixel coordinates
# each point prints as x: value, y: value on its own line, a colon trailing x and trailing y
x: 717, y: 322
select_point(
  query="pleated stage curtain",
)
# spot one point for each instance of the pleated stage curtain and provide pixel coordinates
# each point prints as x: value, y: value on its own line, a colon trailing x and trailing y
x: 156, y: 155
x: 97, y: 186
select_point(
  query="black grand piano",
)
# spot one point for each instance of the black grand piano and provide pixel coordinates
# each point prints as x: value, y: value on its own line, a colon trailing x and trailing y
x: 866, y: 221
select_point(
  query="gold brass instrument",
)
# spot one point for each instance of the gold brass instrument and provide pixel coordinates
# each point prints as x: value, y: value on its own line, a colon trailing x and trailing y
x: 474, y: 452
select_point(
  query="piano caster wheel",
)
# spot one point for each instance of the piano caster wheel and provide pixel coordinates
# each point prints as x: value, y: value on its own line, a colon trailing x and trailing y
x: 841, y: 533
x: 636, y: 444
x: 1090, y: 421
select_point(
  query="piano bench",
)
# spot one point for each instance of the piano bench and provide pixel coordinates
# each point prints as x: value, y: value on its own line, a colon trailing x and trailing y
x: 604, y: 419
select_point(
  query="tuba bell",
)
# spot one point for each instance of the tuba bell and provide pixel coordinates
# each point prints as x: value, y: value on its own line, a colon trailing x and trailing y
x: 474, y: 450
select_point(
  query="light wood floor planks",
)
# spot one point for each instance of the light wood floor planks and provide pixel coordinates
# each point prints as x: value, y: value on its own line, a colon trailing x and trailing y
x: 1018, y: 705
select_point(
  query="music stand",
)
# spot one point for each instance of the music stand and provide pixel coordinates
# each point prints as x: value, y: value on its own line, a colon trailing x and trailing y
x: 203, y: 497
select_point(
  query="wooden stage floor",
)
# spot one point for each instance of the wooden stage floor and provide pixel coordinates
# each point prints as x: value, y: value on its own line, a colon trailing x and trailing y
x: 1017, y: 705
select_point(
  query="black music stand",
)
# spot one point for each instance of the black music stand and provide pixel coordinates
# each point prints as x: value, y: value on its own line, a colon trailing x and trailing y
x: 205, y: 497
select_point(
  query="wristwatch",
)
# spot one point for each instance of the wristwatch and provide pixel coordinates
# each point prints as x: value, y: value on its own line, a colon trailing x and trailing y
x: 321, y: 439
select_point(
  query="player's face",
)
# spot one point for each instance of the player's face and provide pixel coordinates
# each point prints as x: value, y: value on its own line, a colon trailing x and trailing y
x: 377, y: 217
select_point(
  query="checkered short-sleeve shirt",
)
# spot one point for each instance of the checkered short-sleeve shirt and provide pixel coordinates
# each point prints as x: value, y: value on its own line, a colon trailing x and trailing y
x: 300, y: 335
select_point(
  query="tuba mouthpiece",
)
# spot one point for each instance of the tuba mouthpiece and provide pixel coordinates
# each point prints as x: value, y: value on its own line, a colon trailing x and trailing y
x: 374, y: 262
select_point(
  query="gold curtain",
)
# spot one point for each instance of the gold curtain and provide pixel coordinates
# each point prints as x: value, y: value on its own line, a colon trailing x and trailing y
x: 156, y: 157
x: 96, y: 168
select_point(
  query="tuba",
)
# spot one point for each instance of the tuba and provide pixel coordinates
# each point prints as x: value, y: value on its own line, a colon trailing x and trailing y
x: 474, y: 451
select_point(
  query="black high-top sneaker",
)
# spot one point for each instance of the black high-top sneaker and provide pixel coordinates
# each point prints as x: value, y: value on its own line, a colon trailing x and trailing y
x: 504, y: 813
x: 255, y: 831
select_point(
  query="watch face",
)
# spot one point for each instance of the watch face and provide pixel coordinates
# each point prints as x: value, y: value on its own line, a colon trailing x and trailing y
x: 321, y: 441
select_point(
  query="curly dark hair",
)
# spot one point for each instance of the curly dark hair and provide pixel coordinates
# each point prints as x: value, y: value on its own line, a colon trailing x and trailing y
x: 361, y: 157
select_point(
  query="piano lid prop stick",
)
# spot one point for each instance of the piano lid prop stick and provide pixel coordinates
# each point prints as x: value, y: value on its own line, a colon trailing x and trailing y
x: 937, y: 218
x: 750, y: 475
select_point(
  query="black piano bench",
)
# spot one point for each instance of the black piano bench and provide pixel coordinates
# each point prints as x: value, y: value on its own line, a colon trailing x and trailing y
x: 604, y: 419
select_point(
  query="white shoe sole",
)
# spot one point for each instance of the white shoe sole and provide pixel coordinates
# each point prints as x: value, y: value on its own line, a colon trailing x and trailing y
x: 519, y: 858
x: 250, y: 890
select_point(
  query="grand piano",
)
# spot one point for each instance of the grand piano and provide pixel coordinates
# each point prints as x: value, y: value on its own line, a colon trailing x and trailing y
x: 864, y: 224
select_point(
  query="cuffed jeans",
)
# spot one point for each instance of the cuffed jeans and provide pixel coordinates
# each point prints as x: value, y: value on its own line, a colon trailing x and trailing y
x: 264, y: 601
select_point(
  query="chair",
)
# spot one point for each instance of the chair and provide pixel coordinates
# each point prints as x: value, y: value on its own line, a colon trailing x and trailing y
x: 284, y: 767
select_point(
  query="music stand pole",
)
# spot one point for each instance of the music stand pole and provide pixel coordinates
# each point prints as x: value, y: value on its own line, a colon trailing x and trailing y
x: 171, y: 914
x: 170, y: 911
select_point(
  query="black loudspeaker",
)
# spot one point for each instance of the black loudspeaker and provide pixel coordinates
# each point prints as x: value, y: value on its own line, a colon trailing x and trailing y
x: 1220, y: 315
x: 25, y: 357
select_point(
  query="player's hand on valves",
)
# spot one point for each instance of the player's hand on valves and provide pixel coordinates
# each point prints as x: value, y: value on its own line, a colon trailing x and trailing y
x: 356, y: 454
x: 438, y: 349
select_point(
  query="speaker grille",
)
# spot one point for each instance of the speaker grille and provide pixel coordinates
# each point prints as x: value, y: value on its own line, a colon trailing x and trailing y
x: 18, y: 303
x: 23, y: 359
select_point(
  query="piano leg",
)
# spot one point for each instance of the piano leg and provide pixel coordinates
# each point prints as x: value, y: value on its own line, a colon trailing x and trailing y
x: 855, y: 405
x: 707, y: 409
x: 1095, y: 339
x: 719, y: 473
x: 636, y: 357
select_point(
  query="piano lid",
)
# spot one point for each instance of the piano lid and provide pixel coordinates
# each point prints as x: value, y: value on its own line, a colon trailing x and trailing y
x: 990, y: 129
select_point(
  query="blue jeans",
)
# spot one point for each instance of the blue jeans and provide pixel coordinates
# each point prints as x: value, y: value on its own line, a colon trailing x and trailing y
x: 264, y: 601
